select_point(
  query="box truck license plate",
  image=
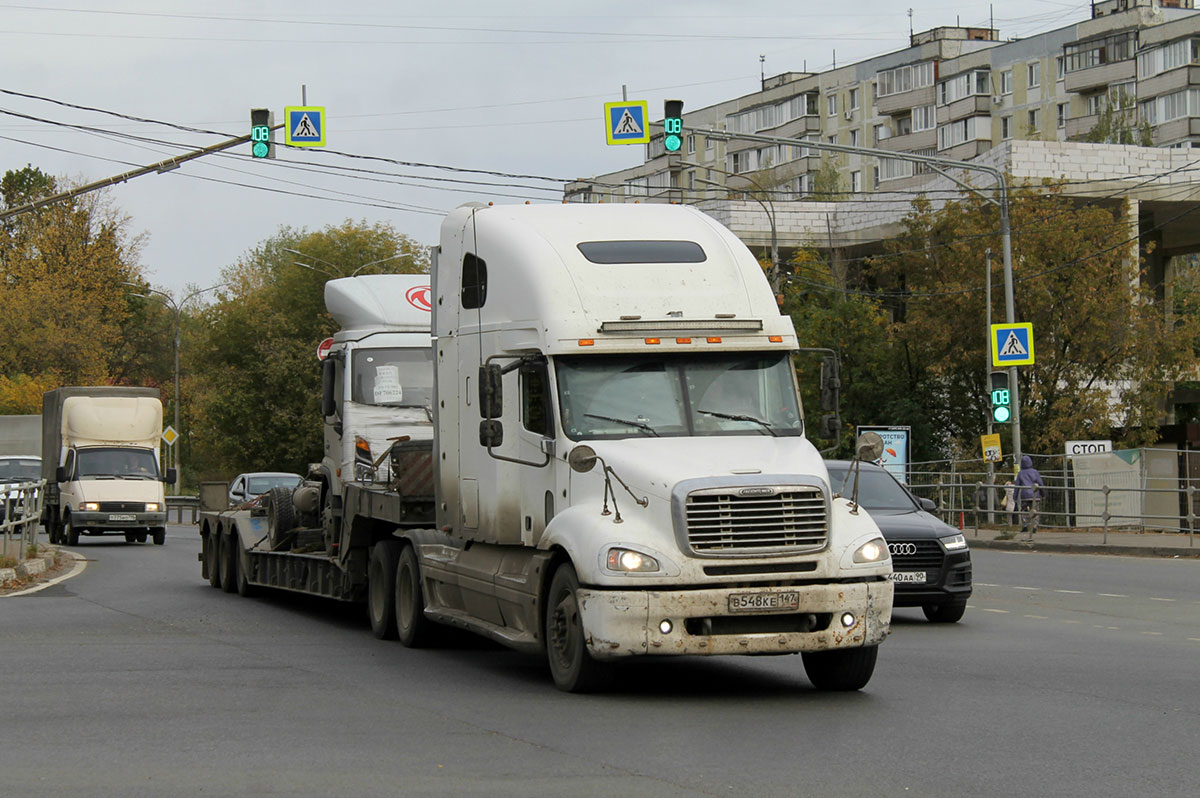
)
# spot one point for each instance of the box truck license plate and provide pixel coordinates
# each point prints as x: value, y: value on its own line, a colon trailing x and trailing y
x: 764, y: 602
x: 121, y: 517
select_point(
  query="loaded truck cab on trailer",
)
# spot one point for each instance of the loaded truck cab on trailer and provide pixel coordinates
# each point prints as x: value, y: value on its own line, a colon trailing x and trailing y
x: 619, y: 466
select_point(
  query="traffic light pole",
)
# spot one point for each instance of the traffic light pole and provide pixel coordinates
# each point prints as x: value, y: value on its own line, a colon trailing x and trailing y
x: 939, y: 165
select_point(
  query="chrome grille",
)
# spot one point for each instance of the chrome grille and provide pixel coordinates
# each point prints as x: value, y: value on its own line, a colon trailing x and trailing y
x: 727, y: 521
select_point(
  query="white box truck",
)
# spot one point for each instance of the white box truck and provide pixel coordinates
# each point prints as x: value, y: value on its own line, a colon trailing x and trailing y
x: 619, y: 464
x: 100, y: 460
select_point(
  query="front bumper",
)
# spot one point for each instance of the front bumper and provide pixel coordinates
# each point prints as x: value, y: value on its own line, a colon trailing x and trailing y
x: 624, y: 623
x: 951, y: 583
x: 88, y: 520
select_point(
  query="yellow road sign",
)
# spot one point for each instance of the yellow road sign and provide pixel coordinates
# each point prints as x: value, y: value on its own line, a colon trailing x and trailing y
x: 1012, y: 345
x: 991, y: 448
x: 169, y: 435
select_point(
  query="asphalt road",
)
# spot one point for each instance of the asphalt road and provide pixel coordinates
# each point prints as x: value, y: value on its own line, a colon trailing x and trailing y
x: 1071, y: 675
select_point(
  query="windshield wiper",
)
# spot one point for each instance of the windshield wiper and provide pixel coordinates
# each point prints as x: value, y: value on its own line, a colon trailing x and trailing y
x: 643, y: 426
x: 740, y: 417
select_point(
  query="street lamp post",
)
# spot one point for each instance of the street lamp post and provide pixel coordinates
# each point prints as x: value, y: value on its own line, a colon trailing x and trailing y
x: 340, y: 272
x: 177, y: 309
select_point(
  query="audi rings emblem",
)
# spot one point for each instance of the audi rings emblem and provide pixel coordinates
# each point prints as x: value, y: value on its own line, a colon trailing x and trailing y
x: 902, y: 549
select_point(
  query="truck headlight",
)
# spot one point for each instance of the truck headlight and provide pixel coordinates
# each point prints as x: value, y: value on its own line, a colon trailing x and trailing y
x: 630, y: 561
x: 152, y: 507
x: 91, y: 507
x: 872, y: 551
x: 954, y: 542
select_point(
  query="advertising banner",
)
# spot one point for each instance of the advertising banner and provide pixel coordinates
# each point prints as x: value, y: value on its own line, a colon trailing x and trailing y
x: 895, y: 449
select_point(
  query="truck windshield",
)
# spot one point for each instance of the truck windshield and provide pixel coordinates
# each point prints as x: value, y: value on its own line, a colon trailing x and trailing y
x: 877, y: 489
x: 14, y: 470
x: 116, y: 462
x: 621, y: 396
x: 392, y: 377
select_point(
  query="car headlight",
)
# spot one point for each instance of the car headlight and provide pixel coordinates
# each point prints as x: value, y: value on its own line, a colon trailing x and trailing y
x: 630, y: 561
x: 954, y: 542
x: 875, y: 550
x: 152, y: 507
x: 91, y: 507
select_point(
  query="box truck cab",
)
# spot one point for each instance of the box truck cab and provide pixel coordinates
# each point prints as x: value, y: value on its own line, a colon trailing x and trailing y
x: 100, y: 457
x: 621, y: 451
x: 377, y: 382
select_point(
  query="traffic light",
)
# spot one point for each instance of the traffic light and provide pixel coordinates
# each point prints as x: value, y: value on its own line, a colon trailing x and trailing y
x: 672, y: 125
x: 261, y: 122
x: 1001, y: 397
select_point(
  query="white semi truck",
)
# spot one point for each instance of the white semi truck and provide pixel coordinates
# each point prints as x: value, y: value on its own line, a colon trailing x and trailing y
x: 100, y: 460
x: 618, y: 465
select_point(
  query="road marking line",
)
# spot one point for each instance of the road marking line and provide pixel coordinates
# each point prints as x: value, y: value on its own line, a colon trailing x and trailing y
x: 1068, y: 621
x: 1037, y: 617
x: 1152, y: 598
x: 1113, y: 595
x: 1079, y: 592
x: 1026, y: 588
x: 1195, y: 639
x: 1001, y: 612
x: 1152, y: 633
x: 985, y: 584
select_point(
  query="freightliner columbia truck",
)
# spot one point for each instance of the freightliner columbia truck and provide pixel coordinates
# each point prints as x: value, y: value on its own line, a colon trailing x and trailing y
x: 618, y: 466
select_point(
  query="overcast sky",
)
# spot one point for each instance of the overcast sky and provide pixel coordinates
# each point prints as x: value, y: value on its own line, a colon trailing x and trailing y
x: 508, y: 87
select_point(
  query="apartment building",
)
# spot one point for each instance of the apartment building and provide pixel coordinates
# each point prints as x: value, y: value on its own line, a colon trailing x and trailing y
x: 954, y: 92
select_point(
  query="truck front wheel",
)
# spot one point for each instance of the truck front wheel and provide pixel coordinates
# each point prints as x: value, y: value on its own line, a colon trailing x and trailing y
x: 414, y: 628
x: 840, y: 670
x: 70, y: 533
x: 381, y: 589
x: 571, y: 664
x: 159, y: 533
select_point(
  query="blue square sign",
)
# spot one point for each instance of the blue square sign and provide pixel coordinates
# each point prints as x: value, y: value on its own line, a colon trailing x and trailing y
x: 1012, y: 344
x: 304, y: 126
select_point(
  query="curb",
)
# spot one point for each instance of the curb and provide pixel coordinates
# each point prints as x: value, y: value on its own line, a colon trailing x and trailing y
x: 1084, y: 548
x: 30, y: 567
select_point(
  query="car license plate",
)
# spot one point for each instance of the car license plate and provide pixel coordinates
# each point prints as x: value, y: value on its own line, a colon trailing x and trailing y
x: 122, y: 517
x: 911, y: 577
x: 764, y: 602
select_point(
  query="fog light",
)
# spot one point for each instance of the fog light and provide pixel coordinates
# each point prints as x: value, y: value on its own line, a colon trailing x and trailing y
x: 665, y: 626
x: 848, y: 619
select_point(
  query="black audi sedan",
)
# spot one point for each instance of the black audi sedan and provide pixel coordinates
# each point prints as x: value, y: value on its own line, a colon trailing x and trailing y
x: 930, y: 560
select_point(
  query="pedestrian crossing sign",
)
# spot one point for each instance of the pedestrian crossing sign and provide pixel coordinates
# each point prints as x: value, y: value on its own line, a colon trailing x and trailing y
x: 304, y: 126
x: 1012, y: 345
x: 625, y: 122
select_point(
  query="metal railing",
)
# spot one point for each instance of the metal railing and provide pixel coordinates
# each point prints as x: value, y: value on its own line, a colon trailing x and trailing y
x: 22, y: 508
x: 181, y: 503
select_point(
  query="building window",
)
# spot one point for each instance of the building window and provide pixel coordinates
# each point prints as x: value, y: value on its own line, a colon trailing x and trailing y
x: 964, y: 85
x: 1106, y: 50
x: 1095, y: 104
x: 691, y: 181
x: 1123, y: 95
x: 856, y: 182
x: 854, y: 138
x: 902, y: 79
x: 1062, y: 115
x: 1035, y: 121
x: 924, y: 117
x: 691, y: 140
x: 903, y: 124
x: 1060, y: 67
x: 963, y: 130
x: 882, y: 133
x: 1034, y: 74
x: 1006, y: 127
x: 831, y: 105
x: 708, y: 144
x: 1006, y: 82
x: 831, y: 139
x: 854, y: 93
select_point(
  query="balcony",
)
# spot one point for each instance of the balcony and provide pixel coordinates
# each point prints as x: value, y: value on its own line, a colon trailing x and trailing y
x: 921, y: 140
x: 974, y: 105
x: 1167, y: 82
x: 1078, y: 127
x: 1084, y: 80
x: 897, y: 103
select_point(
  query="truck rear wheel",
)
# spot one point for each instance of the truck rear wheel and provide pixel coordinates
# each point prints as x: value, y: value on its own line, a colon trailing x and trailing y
x: 227, y: 564
x: 414, y: 628
x: 212, y: 558
x: 571, y: 664
x: 841, y: 670
x: 381, y: 589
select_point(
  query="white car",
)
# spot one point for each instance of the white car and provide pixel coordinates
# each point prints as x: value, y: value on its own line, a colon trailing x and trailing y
x: 246, y: 487
x: 16, y: 469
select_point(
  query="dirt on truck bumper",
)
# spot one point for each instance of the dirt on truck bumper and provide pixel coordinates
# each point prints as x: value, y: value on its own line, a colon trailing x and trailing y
x: 767, y: 620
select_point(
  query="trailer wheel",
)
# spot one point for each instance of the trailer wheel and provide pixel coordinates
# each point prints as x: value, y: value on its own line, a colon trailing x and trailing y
x: 571, y: 664
x: 227, y: 565
x: 381, y: 589
x: 212, y: 558
x: 244, y: 588
x: 70, y: 533
x: 415, y: 629
x: 841, y: 670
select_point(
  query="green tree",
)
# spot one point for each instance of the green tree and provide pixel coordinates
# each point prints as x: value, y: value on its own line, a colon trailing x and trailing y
x: 1117, y: 124
x: 253, y: 377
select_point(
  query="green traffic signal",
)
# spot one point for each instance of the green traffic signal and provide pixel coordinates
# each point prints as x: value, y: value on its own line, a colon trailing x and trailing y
x: 261, y: 145
x: 673, y: 125
x: 1001, y: 397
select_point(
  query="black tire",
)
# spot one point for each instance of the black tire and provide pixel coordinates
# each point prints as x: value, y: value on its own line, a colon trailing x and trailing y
x: 212, y: 558
x: 381, y: 588
x: 281, y: 516
x: 131, y: 537
x: 841, y: 670
x: 53, y: 529
x: 416, y: 631
x: 141, y: 537
x: 70, y: 533
x: 240, y: 577
x: 944, y: 613
x: 159, y: 534
x: 227, y: 563
x: 571, y: 664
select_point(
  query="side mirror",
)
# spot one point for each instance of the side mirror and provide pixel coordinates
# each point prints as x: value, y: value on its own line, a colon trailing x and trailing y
x: 170, y: 476
x: 830, y: 427
x: 491, y: 433
x: 928, y: 505
x: 831, y: 383
x: 328, y: 400
x: 60, y: 474
x: 868, y: 447
x: 582, y: 459
x: 491, y: 391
